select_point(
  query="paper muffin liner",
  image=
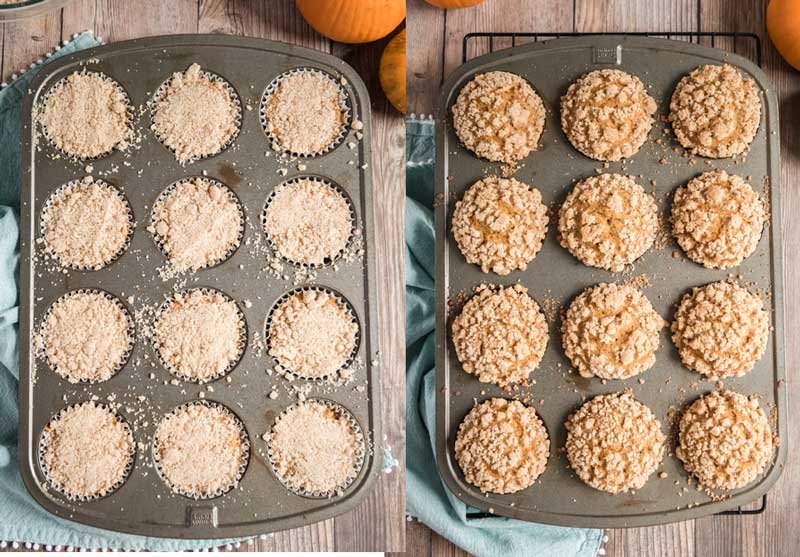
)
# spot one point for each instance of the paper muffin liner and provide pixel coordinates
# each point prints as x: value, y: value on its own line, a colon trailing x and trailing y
x: 243, y: 437
x: 107, y: 296
x: 348, y: 308
x: 169, y: 190
x: 128, y: 113
x: 342, y: 412
x: 234, y: 95
x: 242, y: 336
x: 60, y: 488
x: 63, y: 190
x: 328, y: 183
x: 344, y: 106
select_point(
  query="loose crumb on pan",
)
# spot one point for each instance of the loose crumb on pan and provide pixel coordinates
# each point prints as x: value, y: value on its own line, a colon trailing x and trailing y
x: 499, y: 117
x: 500, y: 224
x: 720, y: 330
x: 86, y: 224
x: 87, y: 115
x: 608, y: 221
x: 607, y: 114
x: 614, y: 442
x: 305, y: 115
x: 308, y: 221
x: 717, y: 219
x: 200, y: 334
x: 611, y: 331
x: 500, y: 335
x: 198, y: 223
x: 502, y: 446
x: 315, y: 449
x: 312, y: 334
x: 87, y: 451
x: 724, y: 440
x: 195, y: 115
x: 715, y: 111
x: 200, y: 450
x: 86, y: 336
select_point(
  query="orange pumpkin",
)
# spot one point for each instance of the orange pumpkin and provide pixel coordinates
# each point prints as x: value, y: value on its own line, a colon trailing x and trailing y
x: 353, y: 21
x: 783, y: 25
x: 393, y: 71
x: 454, y: 3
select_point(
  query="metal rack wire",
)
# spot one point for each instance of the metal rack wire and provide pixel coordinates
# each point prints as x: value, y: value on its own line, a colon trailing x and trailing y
x: 739, y: 40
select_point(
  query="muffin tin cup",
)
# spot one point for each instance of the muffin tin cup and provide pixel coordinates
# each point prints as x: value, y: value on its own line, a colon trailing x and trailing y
x: 340, y: 411
x: 344, y: 303
x: 242, y: 337
x: 344, y: 106
x: 131, y: 332
x: 555, y: 277
x: 243, y: 437
x: 164, y: 195
x: 60, y: 488
x: 328, y: 260
x: 131, y: 223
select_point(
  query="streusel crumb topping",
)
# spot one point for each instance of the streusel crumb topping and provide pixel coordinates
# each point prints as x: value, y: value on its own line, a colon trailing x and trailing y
x: 614, y: 442
x: 500, y: 335
x: 499, y: 117
x: 717, y: 219
x: 500, y: 224
x: 607, y: 114
x: 611, y: 331
x: 608, y: 221
x: 720, y: 330
x: 724, y: 440
x: 715, y: 111
x: 502, y: 446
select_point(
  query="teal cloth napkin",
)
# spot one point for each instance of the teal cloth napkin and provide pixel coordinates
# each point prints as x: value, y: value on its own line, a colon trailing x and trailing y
x: 427, y: 497
x: 21, y: 518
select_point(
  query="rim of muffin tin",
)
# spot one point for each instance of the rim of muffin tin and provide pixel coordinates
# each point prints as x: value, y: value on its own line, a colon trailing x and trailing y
x: 348, y: 308
x: 328, y: 261
x: 60, y: 488
x: 131, y: 332
x: 212, y: 76
x: 242, y: 335
x: 129, y: 113
x: 340, y: 411
x: 243, y: 436
x: 69, y: 186
x: 344, y: 106
x: 169, y: 190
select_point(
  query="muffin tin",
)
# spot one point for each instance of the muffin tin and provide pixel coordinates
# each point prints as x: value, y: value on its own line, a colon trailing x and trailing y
x: 555, y: 277
x: 143, y: 391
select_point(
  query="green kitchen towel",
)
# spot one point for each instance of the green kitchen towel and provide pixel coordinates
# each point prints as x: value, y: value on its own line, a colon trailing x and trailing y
x: 427, y: 498
x: 21, y: 518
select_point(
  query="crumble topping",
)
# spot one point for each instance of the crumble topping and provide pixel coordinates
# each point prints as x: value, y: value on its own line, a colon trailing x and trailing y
x: 500, y: 224
x: 500, y: 335
x: 499, y: 117
x: 614, y: 442
x: 607, y: 114
x: 720, y: 330
x: 502, y: 446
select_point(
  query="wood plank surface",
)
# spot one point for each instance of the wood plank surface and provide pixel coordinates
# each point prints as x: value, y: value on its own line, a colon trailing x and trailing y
x: 775, y: 532
x: 378, y: 523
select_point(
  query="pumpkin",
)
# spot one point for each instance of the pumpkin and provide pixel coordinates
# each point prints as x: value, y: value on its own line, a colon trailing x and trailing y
x: 454, y: 3
x: 783, y: 25
x: 353, y: 21
x: 393, y: 71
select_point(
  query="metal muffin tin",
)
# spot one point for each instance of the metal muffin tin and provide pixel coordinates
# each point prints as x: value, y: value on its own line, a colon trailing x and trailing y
x: 144, y: 504
x: 555, y: 277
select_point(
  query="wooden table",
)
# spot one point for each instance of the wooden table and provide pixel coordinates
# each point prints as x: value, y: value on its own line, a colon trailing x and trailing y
x: 378, y: 523
x: 434, y: 39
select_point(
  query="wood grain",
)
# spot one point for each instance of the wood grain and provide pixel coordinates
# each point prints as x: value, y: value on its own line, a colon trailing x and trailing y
x: 377, y: 524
